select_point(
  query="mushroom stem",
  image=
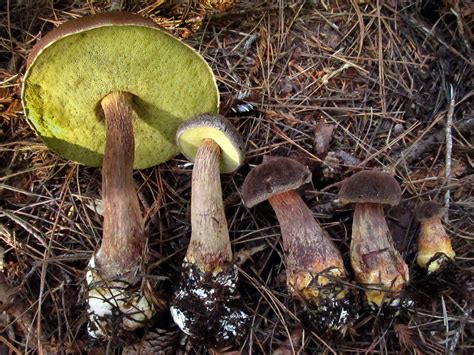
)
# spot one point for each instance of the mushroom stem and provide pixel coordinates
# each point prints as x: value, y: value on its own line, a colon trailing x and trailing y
x: 434, y: 245
x: 114, y: 267
x: 376, y: 262
x: 123, y: 235
x: 209, y: 247
x: 312, y: 259
x: 206, y: 305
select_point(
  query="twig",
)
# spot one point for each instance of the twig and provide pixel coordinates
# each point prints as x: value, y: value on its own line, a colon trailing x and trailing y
x: 460, y: 23
x: 449, y: 152
x: 427, y: 141
x: 457, y: 333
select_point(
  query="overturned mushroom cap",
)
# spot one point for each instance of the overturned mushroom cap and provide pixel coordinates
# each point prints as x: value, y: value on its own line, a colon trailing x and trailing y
x: 370, y: 187
x: 76, y: 65
x: 191, y: 133
x: 428, y: 210
x: 274, y: 176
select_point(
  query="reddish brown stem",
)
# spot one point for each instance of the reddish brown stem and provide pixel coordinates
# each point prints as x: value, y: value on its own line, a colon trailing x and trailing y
x: 123, y: 238
x: 209, y: 247
x: 309, y: 248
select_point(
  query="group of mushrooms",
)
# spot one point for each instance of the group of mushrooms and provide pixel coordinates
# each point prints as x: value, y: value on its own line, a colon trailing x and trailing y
x: 116, y: 90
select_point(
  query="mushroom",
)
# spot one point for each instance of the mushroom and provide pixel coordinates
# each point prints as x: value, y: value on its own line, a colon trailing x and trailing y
x: 314, y: 266
x: 93, y: 87
x: 376, y: 262
x: 205, y: 303
x: 434, y: 245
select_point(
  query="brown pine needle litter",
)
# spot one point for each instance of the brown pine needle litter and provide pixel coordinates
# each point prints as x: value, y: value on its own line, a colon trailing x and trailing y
x: 387, y: 76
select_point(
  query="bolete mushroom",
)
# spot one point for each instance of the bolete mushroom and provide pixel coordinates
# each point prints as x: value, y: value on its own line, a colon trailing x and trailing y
x: 205, y: 303
x: 434, y: 245
x: 377, y: 264
x: 111, y: 90
x: 314, y: 266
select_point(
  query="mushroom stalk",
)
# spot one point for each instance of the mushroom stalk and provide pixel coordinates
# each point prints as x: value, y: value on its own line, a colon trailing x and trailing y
x: 206, y: 305
x: 314, y: 266
x: 123, y: 239
x: 114, y: 267
x: 434, y: 245
x: 376, y: 262
x: 209, y: 248
x: 312, y: 260
x: 66, y: 114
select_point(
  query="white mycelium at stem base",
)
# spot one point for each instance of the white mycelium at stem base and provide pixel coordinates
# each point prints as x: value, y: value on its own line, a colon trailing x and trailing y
x: 376, y: 262
x: 113, y: 269
x: 205, y: 306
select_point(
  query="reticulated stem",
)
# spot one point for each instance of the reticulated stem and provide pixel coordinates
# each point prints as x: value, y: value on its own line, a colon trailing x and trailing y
x: 209, y: 247
x: 123, y: 238
x: 374, y: 258
x: 309, y: 248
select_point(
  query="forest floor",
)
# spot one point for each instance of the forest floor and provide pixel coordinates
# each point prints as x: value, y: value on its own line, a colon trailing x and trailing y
x: 340, y: 86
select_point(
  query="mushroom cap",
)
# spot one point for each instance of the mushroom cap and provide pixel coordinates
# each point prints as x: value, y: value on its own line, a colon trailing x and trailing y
x: 274, y: 176
x: 191, y: 133
x: 370, y: 186
x: 427, y: 210
x: 77, y: 64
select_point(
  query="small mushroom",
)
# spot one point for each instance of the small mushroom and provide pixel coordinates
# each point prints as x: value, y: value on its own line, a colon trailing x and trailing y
x: 434, y: 245
x: 314, y: 266
x: 376, y: 263
x: 205, y: 304
x: 93, y: 88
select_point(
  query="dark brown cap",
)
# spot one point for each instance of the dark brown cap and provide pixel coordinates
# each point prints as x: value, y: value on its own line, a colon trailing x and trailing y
x: 427, y: 210
x: 274, y: 176
x: 371, y: 186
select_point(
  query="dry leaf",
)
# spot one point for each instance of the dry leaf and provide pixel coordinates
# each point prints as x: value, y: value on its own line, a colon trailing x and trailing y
x: 404, y: 334
x: 322, y: 138
x: 291, y: 345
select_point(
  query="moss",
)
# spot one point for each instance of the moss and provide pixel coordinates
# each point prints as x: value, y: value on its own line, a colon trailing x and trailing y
x: 64, y: 85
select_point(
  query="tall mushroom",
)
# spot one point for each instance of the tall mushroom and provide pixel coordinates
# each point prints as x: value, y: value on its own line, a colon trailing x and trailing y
x: 376, y: 263
x: 204, y: 305
x: 434, y: 245
x: 314, y: 266
x: 111, y: 90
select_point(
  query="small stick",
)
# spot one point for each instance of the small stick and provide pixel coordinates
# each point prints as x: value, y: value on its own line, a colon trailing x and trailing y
x: 449, y: 151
